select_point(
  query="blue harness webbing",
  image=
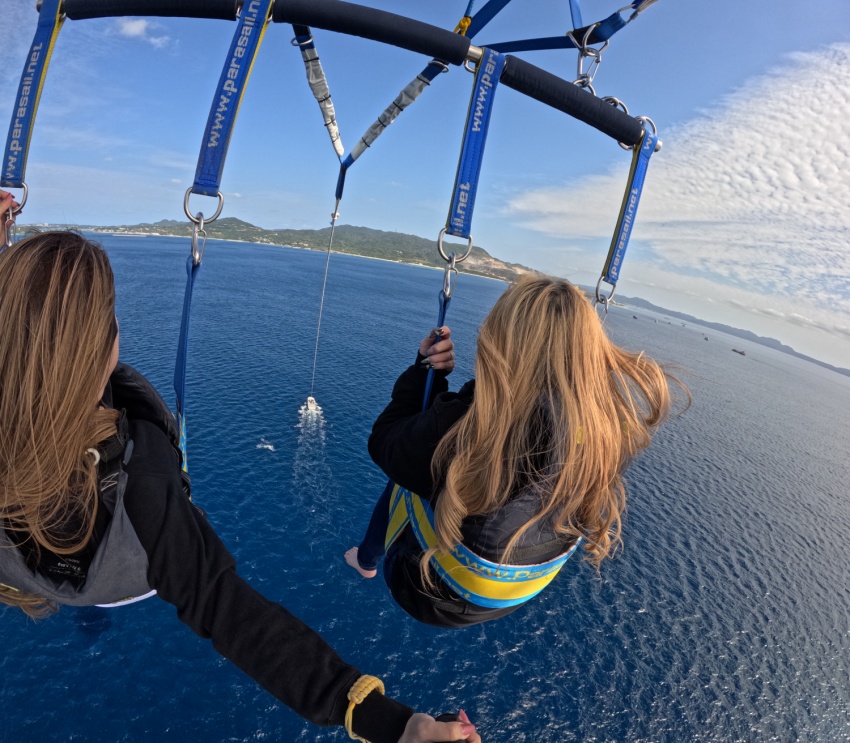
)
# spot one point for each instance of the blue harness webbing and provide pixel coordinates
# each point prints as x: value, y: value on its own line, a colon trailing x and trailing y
x: 50, y: 20
x: 459, y: 220
x: 247, y: 38
x: 628, y: 209
x: 407, y: 96
x: 598, y: 33
x: 575, y: 13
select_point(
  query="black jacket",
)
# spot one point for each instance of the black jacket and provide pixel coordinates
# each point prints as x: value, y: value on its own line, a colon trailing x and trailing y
x: 190, y: 568
x: 403, y: 441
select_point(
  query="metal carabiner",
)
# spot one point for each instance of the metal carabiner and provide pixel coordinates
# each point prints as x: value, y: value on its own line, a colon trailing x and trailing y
x: 450, y: 276
x: 443, y: 252
x: 198, y: 231
x: 9, y: 224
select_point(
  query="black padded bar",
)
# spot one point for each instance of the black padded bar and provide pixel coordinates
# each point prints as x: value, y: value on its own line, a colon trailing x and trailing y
x: 377, y: 25
x: 571, y: 99
x: 79, y: 10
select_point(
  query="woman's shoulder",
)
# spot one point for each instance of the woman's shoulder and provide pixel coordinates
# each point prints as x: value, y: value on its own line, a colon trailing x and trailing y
x: 153, y: 451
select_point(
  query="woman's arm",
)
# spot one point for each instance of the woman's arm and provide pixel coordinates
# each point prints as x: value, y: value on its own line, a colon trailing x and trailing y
x: 404, y: 436
x: 191, y: 569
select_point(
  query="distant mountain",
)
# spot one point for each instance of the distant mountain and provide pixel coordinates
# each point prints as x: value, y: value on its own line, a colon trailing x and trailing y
x: 396, y: 246
x: 363, y: 241
x: 737, y: 332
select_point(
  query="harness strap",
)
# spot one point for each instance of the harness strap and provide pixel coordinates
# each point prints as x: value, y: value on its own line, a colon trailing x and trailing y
x: 485, y: 15
x: 575, y: 13
x: 253, y: 21
x: 407, y: 96
x: 192, y: 269
x: 250, y: 29
x: 596, y: 33
x: 318, y: 83
x: 628, y: 210
x: 459, y: 220
x: 482, y: 582
x: 50, y: 20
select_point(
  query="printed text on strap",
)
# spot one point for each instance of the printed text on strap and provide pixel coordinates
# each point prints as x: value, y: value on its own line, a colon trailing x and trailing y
x: 231, y: 87
x: 50, y: 20
x: 628, y: 210
x: 459, y: 221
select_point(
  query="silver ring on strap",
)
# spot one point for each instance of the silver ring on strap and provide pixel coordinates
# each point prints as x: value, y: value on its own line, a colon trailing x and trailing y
x: 195, y: 219
x: 446, y: 258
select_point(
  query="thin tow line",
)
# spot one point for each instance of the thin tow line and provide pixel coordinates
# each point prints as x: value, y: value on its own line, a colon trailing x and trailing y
x: 334, y: 217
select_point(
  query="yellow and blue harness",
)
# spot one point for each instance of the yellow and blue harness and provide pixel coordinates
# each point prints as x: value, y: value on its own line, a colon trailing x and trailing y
x: 479, y: 581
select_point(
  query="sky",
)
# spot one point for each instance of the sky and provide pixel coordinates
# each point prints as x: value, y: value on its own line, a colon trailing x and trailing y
x: 744, y: 219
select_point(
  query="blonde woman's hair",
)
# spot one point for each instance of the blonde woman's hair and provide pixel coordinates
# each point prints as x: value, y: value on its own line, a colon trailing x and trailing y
x: 558, y: 408
x: 57, y: 302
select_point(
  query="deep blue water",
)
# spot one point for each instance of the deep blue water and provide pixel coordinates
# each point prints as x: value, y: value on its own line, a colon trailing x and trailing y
x: 726, y: 617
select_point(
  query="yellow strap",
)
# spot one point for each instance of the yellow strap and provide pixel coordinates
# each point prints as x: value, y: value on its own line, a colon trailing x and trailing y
x: 361, y: 689
x: 532, y: 581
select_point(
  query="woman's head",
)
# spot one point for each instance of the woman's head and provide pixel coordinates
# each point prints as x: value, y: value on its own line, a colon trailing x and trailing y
x: 559, y: 408
x: 56, y: 342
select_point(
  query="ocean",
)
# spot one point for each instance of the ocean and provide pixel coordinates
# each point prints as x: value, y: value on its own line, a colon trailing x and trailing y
x: 726, y: 617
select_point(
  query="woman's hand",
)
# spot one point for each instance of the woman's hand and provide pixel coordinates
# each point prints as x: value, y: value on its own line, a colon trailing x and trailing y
x: 438, y: 349
x: 425, y: 729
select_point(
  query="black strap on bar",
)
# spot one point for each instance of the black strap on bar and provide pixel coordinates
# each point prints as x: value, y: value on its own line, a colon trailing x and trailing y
x: 400, y: 31
x: 79, y: 10
x: 377, y: 25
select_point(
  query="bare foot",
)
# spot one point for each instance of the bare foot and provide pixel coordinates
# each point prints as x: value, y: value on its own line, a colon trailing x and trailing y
x: 351, y: 559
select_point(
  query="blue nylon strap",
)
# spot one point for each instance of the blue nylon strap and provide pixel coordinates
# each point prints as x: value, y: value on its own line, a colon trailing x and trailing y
x: 432, y: 69
x: 484, y: 16
x: 29, y: 92
x: 441, y: 320
x: 575, y: 13
x: 459, y: 221
x: 602, y: 32
x: 228, y: 96
x: 183, y: 352
x: 628, y: 210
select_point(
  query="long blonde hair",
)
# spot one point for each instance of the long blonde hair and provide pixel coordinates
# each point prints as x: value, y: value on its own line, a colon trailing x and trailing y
x: 57, y: 302
x: 558, y: 407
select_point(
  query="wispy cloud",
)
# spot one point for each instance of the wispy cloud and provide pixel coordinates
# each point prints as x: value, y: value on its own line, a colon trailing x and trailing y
x: 752, y: 196
x: 143, y: 30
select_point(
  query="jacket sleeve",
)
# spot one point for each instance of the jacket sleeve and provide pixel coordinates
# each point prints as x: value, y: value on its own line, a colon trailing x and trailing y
x: 191, y: 569
x: 404, y: 437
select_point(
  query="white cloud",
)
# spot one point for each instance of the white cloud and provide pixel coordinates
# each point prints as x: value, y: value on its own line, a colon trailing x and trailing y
x: 139, y: 28
x: 751, y: 198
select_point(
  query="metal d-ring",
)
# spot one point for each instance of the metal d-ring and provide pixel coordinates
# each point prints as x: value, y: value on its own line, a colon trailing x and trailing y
x: 600, y: 297
x: 294, y: 41
x: 23, y: 201
x: 195, y: 219
x: 445, y: 257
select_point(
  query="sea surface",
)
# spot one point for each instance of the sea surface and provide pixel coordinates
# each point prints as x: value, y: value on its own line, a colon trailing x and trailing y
x: 725, y: 618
